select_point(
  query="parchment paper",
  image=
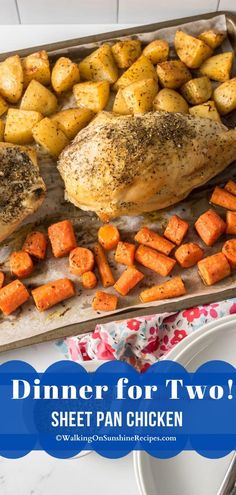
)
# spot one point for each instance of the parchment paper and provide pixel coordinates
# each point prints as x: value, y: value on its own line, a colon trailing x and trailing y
x: 27, y: 322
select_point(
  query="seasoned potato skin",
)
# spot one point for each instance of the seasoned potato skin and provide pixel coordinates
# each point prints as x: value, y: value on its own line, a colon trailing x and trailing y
x: 213, y: 38
x: 207, y: 110
x: 93, y: 95
x: 139, y: 95
x: 170, y: 101
x: 197, y: 91
x: 218, y: 67
x: 65, y: 74
x: 11, y: 79
x: 157, y: 51
x: 99, y: 66
x: 126, y: 52
x: 173, y: 73
x: 72, y: 120
x: 39, y: 98
x: 190, y: 50
x: 120, y: 105
x: 225, y: 96
x: 141, y: 69
x: 49, y: 135
x: 19, y: 125
x: 36, y: 66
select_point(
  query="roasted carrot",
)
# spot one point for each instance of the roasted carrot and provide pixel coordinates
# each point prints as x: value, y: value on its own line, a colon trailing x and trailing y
x: 81, y: 260
x: 62, y: 238
x: 89, y: 280
x: 229, y: 250
x: 103, y: 266
x: 36, y: 244
x: 214, y: 268
x: 210, y: 227
x: 231, y: 187
x: 12, y: 296
x: 172, y: 288
x: 52, y: 293
x: 104, y: 302
x: 125, y: 253
x: 223, y: 198
x: 176, y: 229
x: 189, y: 254
x: 230, y: 222
x: 2, y: 278
x: 21, y: 264
x: 108, y: 236
x: 158, y: 262
x: 128, y: 280
x: 153, y: 240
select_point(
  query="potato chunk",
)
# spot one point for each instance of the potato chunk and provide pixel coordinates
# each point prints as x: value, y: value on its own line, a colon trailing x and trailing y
x: 190, y: 50
x: 126, y: 52
x: 49, y: 135
x: 36, y: 66
x: 140, y: 95
x: 65, y: 74
x: 99, y: 66
x: 141, y: 69
x: 72, y: 120
x: 39, y: 99
x: 173, y: 74
x: 197, y: 90
x: 170, y: 101
x: 11, y: 79
x: 2, y: 127
x: 157, y: 51
x: 120, y: 105
x: 225, y: 96
x: 207, y: 110
x: 213, y: 38
x: 19, y: 125
x: 218, y: 67
x: 3, y: 106
x: 92, y: 95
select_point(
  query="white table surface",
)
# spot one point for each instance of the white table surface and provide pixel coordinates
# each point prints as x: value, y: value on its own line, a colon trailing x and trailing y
x: 38, y: 473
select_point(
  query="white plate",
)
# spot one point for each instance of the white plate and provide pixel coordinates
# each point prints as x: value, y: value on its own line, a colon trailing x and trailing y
x: 189, y: 473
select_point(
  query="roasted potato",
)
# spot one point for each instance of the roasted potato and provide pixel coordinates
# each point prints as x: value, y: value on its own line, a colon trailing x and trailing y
x: 120, y: 105
x: 2, y: 127
x: 207, y: 110
x: 99, y: 66
x: 213, y: 38
x: 92, y: 95
x: 218, y: 67
x: 72, y: 120
x: 225, y: 96
x: 65, y: 74
x: 157, y: 51
x: 173, y: 74
x: 39, y: 99
x: 19, y: 125
x: 190, y: 50
x: 36, y: 66
x: 11, y: 79
x: 3, y: 106
x: 139, y: 70
x: 197, y: 90
x: 139, y: 95
x: 49, y: 135
x: 170, y: 101
x: 126, y: 52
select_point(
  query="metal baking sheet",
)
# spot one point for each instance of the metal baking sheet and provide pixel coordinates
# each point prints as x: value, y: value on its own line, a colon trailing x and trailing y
x: 75, y: 316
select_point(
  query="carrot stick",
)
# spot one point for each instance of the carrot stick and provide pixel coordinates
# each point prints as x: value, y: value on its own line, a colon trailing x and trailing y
x: 214, y: 268
x: 176, y: 229
x: 223, y: 198
x: 35, y: 244
x: 2, y: 278
x: 89, y: 280
x: 189, y: 254
x: 125, y: 253
x: 62, y: 238
x: 52, y: 293
x: 104, y: 302
x: 103, y: 266
x: 153, y: 240
x: 21, y: 264
x: 81, y: 260
x: 230, y: 222
x: 231, y: 187
x: 210, y: 227
x: 128, y: 280
x: 108, y: 236
x: 172, y: 288
x: 12, y: 296
x: 229, y: 250
x: 158, y: 262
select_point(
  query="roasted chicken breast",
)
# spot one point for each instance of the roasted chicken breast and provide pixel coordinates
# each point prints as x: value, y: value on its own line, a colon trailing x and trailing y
x: 127, y: 165
x: 22, y: 189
